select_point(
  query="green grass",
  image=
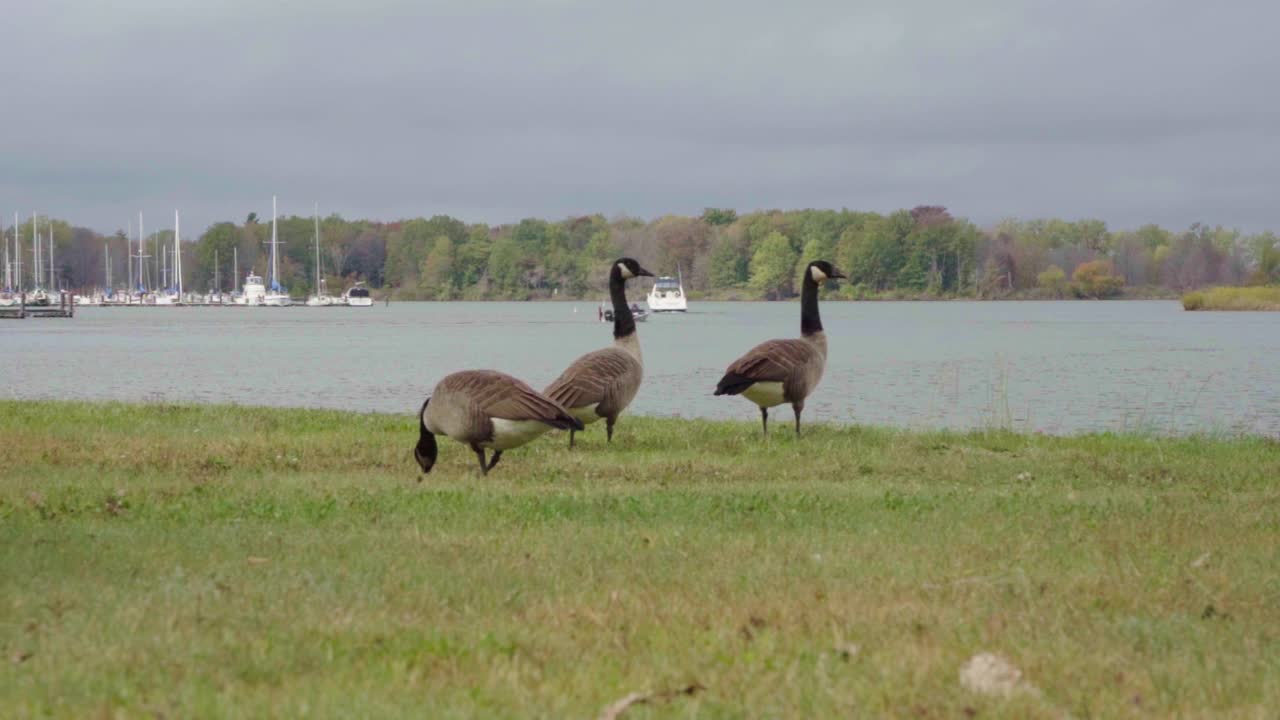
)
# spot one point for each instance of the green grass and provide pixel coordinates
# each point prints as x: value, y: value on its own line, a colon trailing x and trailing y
x: 216, y: 561
x: 1233, y: 298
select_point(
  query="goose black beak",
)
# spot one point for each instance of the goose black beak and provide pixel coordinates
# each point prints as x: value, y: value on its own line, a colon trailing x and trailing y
x: 836, y: 274
x: 644, y: 273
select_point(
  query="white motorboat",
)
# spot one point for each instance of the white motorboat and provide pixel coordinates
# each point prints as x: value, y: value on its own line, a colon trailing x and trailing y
x: 357, y: 296
x: 254, y: 292
x: 276, y: 295
x: 667, y: 294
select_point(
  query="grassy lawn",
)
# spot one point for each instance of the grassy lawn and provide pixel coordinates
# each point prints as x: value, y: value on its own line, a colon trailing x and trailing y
x: 217, y: 561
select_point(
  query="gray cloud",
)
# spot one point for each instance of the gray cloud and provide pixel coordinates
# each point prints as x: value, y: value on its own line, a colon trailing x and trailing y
x: 1133, y: 112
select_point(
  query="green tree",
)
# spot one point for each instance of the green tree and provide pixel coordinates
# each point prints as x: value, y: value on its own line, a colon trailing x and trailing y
x: 728, y: 265
x: 1054, y: 280
x: 436, y: 274
x: 218, y: 241
x: 773, y: 266
x: 719, y: 216
x: 504, y: 267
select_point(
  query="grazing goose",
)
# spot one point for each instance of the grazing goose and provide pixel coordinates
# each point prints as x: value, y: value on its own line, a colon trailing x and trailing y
x: 486, y: 409
x: 601, y: 384
x: 785, y: 371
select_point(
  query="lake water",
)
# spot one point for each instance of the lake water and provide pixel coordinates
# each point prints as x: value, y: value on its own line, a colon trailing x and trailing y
x: 1055, y: 367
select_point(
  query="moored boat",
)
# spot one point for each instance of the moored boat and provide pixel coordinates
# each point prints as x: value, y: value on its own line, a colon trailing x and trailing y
x: 667, y: 294
x: 357, y: 296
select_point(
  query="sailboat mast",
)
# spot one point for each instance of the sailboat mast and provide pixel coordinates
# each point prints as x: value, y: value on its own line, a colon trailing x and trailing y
x: 35, y: 253
x: 275, y: 268
x: 177, y: 254
x: 235, y: 269
x: 17, y: 253
x: 317, y: 218
x: 128, y: 255
x: 142, y: 262
x: 217, y: 285
x: 53, y: 285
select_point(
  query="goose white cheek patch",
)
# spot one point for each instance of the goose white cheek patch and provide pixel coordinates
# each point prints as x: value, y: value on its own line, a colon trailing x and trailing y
x: 626, y: 273
x: 818, y: 275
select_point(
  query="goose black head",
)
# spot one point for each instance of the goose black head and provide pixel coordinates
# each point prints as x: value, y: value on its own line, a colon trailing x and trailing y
x: 626, y: 268
x: 822, y: 271
x: 426, y: 450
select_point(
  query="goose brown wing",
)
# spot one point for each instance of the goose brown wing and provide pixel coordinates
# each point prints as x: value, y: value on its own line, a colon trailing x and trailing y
x: 770, y: 361
x: 499, y: 395
x: 596, y: 377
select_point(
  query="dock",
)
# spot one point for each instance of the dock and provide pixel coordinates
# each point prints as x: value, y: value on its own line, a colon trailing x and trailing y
x: 64, y: 308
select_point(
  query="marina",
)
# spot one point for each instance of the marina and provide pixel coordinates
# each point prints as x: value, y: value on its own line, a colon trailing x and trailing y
x: 19, y: 309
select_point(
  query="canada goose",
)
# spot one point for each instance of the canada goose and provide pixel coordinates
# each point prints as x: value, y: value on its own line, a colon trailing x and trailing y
x: 485, y: 409
x: 601, y: 384
x: 785, y: 371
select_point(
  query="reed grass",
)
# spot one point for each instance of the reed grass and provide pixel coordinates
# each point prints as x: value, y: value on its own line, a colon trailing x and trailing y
x: 1233, y: 298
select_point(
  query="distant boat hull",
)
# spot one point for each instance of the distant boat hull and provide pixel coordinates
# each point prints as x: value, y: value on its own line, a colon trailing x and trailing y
x: 357, y: 296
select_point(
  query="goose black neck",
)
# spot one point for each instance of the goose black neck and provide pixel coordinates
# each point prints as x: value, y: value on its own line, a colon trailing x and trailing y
x: 810, y: 323
x: 624, y: 323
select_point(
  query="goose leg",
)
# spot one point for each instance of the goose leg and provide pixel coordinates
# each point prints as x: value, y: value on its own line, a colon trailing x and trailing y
x: 608, y: 426
x: 797, y: 407
x: 571, y: 432
x: 494, y: 460
x: 484, y: 468
x: 764, y: 418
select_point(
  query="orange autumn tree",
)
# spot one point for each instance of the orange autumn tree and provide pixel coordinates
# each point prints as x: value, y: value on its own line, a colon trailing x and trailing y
x: 1096, y: 280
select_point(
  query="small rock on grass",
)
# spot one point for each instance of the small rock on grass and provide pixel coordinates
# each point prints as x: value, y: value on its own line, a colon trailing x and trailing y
x: 990, y: 674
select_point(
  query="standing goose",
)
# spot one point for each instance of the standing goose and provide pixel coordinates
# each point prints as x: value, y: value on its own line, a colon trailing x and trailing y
x: 601, y: 384
x: 785, y: 371
x: 485, y: 409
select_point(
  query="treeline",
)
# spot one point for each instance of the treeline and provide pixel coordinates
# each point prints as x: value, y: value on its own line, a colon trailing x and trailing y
x: 922, y: 252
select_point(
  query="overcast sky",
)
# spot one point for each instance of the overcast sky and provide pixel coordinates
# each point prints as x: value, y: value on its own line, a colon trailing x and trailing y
x: 493, y: 111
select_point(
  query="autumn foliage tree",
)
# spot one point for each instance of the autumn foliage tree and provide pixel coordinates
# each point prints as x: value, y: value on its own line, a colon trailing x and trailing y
x: 1096, y: 280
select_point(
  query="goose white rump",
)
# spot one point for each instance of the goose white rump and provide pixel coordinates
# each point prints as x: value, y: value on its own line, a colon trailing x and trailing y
x: 508, y: 434
x: 765, y: 394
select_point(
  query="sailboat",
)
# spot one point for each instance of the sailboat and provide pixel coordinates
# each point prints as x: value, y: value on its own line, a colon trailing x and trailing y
x: 140, y: 289
x: 38, y: 295
x: 8, y: 294
x: 215, y: 296
x: 276, y: 295
x: 172, y: 293
x: 321, y: 298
